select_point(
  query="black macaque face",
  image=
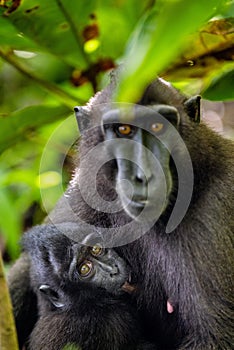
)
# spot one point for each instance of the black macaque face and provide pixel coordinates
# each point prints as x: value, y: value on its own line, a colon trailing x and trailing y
x: 59, y: 261
x: 99, y: 267
x: 143, y: 177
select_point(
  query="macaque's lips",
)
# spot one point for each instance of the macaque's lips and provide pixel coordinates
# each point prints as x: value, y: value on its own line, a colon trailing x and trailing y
x: 127, y: 287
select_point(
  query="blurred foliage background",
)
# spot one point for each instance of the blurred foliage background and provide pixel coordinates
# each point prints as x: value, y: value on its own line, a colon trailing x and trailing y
x: 56, y: 54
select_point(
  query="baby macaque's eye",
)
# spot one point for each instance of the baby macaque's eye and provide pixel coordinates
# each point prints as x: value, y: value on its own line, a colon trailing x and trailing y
x: 85, y: 268
x: 97, y: 250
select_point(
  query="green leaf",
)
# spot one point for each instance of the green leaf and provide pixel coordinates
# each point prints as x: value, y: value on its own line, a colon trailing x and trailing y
x: 10, y: 222
x: 227, y: 9
x: 116, y: 20
x: 221, y: 87
x: 14, y: 127
x: 10, y: 37
x: 159, y: 39
x: 55, y: 25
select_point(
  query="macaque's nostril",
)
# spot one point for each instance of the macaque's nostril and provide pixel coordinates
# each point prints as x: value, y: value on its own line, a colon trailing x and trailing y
x: 140, y: 179
x: 114, y: 271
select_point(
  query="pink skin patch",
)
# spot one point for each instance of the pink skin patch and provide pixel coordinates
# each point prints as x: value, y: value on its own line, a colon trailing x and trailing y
x: 170, y: 308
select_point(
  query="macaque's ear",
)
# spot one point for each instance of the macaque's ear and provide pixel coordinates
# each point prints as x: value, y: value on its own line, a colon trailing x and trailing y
x: 193, y: 108
x: 82, y: 118
x: 51, y: 295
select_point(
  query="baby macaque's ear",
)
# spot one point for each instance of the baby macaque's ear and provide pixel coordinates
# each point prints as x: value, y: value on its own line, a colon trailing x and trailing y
x: 51, y: 295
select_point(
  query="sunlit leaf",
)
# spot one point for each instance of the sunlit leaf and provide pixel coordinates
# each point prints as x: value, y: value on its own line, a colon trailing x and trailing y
x: 49, y: 179
x: 117, y: 20
x: 167, y: 29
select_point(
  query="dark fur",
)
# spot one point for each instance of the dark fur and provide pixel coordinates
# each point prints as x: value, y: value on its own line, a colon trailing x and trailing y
x: 91, y: 317
x: 191, y: 266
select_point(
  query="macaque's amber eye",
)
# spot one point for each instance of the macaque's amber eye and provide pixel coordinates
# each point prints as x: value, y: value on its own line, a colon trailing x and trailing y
x: 96, y: 250
x: 124, y: 129
x: 85, y: 269
x: 156, y: 127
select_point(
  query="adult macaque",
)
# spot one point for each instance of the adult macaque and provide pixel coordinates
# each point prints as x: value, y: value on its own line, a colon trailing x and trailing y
x: 183, y: 259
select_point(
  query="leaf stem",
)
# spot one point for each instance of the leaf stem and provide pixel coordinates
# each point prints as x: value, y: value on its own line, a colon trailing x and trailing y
x: 60, y: 94
x: 8, y: 338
